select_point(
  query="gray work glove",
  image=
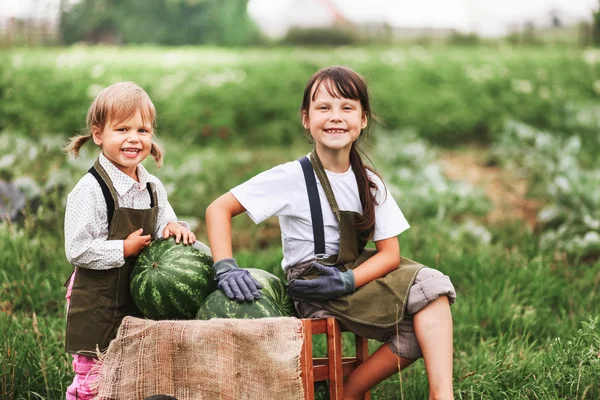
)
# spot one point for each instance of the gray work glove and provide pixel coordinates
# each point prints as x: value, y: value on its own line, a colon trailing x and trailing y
x: 330, y: 284
x: 236, y: 282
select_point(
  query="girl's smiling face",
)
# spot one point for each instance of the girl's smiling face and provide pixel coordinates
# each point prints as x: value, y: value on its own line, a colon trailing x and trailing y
x: 125, y: 143
x: 334, y: 122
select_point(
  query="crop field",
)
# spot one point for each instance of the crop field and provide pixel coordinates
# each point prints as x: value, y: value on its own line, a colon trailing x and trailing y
x: 491, y: 153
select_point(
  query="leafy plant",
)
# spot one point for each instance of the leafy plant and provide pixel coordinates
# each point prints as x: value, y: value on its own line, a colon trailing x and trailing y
x: 570, y: 222
x: 418, y: 182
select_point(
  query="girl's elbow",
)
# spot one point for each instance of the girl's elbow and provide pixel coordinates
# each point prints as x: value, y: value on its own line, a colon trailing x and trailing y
x: 225, y: 206
x: 214, y: 207
x: 210, y: 210
x: 216, y: 210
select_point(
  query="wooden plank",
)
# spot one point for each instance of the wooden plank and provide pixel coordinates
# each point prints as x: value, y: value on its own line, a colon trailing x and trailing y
x: 362, y: 353
x: 318, y: 326
x: 321, y: 367
x: 362, y: 349
x: 335, y: 367
x: 306, y: 361
x: 334, y: 353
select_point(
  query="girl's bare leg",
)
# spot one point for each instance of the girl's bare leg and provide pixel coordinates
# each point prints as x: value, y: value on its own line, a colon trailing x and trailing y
x: 380, y: 365
x: 433, y: 328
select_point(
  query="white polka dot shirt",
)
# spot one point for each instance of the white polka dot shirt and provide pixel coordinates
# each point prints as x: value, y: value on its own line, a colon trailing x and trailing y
x: 86, y: 223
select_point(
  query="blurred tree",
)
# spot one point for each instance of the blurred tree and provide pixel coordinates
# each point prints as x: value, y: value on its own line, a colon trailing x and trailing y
x: 585, y: 33
x: 596, y: 27
x: 529, y: 35
x: 333, y: 36
x: 168, y: 22
x: 463, y: 39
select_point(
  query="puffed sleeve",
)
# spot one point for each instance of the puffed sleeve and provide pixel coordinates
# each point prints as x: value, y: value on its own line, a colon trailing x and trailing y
x: 86, y: 229
x: 389, y: 219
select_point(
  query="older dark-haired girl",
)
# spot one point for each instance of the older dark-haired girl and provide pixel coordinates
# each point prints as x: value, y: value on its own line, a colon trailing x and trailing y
x: 329, y: 206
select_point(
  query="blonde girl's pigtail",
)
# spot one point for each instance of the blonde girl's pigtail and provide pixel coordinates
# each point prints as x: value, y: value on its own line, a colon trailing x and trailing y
x: 75, y: 144
x: 156, y: 153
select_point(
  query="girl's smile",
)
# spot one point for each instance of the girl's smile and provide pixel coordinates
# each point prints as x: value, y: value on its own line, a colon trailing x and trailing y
x: 130, y: 152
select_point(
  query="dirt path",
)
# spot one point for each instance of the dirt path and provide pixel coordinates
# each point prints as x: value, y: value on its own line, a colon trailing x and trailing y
x: 506, y: 191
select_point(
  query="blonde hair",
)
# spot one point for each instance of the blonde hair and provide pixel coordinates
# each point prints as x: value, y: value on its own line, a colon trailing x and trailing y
x: 117, y: 103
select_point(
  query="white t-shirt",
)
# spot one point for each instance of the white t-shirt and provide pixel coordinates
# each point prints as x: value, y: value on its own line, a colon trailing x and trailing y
x: 281, y: 191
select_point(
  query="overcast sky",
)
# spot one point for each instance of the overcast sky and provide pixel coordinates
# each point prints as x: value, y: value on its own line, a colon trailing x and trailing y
x: 487, y: 17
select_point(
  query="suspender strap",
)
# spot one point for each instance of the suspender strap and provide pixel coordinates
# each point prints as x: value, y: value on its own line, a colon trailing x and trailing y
x: 316, y: 213
x: 110, y: 202
x: 152, y: 194
x: 320, y: 171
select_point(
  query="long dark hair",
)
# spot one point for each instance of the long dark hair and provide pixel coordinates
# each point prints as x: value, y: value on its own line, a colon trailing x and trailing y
x: 342, y: 82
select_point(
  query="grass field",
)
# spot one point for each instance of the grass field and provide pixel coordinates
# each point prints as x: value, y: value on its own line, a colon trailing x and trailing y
x: 528, y: 309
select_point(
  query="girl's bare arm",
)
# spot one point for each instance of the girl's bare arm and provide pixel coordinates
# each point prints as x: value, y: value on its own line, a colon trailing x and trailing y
x: 386, y: 260
x: 218, y: 223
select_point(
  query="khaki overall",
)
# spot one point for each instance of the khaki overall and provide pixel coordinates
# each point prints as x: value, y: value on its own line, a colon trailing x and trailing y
x: 100, y: 299
x: 381, y: 302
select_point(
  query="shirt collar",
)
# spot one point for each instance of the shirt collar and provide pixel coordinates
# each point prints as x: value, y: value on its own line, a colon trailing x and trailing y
x: 121, y: 181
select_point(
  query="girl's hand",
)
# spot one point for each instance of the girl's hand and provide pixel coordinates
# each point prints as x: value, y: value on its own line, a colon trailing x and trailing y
x: 331, y: 283
x: 134, y: 243
x: 236, y: 282
x: 180, y: 232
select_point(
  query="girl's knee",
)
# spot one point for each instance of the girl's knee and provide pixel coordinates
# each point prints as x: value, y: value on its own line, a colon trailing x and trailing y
x: 429, y: 285
x: 427, y: 273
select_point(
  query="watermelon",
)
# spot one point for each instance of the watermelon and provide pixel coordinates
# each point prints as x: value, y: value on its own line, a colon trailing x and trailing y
x: 218, y: 305
x: 274, y: 288
x: 170, y: 280
x: 274, y: 302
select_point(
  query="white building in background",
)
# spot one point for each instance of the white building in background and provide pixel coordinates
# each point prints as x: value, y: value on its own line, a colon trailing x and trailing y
x: 306, y: 14
x: 488, y: 18
x: 281, y: 17
x: 314, y: 14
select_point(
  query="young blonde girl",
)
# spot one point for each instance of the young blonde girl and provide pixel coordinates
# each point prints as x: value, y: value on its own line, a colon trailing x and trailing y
x: 329, y: 205
x: 113, y: 212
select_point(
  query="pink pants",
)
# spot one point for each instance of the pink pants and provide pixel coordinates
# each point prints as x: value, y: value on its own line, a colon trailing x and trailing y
x: 80, y: 388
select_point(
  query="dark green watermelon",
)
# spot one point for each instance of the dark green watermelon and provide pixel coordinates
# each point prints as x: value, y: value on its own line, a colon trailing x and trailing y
x: 170, y: 281
x: 274, y: 302
x: 218, y: 305
x: 275, y: 289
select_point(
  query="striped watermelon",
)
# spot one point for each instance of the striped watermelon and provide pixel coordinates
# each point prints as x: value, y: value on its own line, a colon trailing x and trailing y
x: 218, y: 305
x: 274, y: 302
x: 170, y: 281
x: 274, y: 288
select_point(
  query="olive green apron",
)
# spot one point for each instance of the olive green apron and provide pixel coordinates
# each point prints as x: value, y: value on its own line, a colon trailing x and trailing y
x: 100, y: 299
x: 379, y: 303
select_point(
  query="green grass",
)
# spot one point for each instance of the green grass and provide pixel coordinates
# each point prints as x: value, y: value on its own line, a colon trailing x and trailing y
x: 518, y: 317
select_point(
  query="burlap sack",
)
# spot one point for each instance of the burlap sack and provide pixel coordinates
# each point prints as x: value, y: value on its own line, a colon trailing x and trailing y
x: 215, y: 359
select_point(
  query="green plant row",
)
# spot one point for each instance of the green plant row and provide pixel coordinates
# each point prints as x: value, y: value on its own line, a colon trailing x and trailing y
x: 208, y: 95
x: 565, y: 178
